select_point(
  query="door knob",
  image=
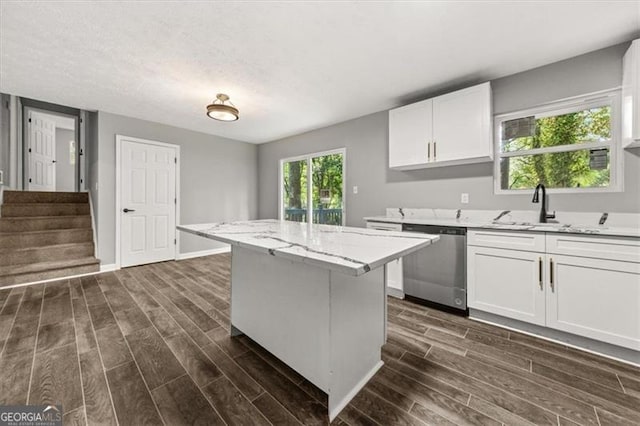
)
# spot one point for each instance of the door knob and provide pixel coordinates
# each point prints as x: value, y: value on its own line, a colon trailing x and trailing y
x: 128, y: 210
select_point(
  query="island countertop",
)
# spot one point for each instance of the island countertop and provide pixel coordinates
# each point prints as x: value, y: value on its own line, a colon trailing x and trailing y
x: 349, y: 250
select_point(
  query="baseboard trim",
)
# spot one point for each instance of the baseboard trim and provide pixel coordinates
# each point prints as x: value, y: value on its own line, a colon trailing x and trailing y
x: 595, y: 347
x: 50, y: 280
x: 394, y: 292
x: 109, y: 268
x: 193, y: 254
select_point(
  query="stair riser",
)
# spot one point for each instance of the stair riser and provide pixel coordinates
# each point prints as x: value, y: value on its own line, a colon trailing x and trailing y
x: 63, y: 236
x: 44, y: 254
x: 10, y: 197
x: 53, y: 209
x: 8, y: 224
x: 56, y: 273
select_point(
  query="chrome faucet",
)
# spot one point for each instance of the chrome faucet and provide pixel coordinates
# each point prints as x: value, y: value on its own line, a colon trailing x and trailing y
x: 401, y: 212
x: 543, y: 208
x: 458, y: 213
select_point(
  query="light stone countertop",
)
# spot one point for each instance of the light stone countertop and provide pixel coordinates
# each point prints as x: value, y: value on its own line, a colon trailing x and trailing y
x: 352, y: 251
x: 617, y: 224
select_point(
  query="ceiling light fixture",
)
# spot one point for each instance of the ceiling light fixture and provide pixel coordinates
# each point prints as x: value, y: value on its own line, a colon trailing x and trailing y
x: 219, y: 110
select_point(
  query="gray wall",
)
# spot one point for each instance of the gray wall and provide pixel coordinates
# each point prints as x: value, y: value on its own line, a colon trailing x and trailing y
x: 65, y: 171
x: 4, y: 137
x: 366, y: 141
x: 218, y: 178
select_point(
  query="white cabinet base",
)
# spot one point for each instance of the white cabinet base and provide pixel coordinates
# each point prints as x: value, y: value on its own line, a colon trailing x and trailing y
x: 578, y: 342
x: 583, y: 285
x: 327, y: 326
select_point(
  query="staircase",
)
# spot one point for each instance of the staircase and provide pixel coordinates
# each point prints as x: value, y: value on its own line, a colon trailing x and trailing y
x: 45, y: 235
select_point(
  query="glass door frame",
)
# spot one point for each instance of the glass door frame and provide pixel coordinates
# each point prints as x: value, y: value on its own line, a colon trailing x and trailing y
x: 308, y: 158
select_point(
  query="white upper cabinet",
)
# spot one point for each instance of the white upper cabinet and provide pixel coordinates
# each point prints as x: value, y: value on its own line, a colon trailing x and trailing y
x: 411, y: 126
x: 447, y: 130
x: 462, y: 125
x: 631, y: 96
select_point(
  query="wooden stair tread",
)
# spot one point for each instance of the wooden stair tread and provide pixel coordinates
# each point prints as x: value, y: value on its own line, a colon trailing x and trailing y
x: 44, y: 209
x: 42, y: 223
x: 46, y: 266
x: 26, y: 218
x: 13, y: 197
x: 45, y: 204
x: 42, y: 231
x: 45, y: 235
x: 51, y: 246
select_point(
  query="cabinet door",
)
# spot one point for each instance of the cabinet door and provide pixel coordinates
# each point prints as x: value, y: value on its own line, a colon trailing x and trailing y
x: 599, y: 299
x: 410, y: 132
x: 507, y: 282
x: 462, y: 124
x: 631, y: 96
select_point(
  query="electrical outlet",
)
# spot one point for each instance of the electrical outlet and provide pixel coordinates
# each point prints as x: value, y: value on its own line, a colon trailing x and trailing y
x: 464, y: 198
x: 355, y: 189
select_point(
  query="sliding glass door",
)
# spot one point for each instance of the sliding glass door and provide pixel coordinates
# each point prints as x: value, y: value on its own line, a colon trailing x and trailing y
x: 312, y: 188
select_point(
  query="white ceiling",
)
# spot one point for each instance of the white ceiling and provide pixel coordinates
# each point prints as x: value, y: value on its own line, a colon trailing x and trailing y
x: 288, y: 66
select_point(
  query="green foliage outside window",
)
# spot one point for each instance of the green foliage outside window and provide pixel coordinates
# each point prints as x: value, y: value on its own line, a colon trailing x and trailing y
x: 326, y: 189
x: 565, y: 169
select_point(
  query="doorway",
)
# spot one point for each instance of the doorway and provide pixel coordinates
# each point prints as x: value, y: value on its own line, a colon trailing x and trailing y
x: 51, y: 151
x: 312, y: 188
x: 147, y: 201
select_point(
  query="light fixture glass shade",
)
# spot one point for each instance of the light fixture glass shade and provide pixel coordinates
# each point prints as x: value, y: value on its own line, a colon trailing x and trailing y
x: 219, y: 110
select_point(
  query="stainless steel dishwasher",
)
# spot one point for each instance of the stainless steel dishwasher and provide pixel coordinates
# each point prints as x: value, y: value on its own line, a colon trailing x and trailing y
x: 437, y: 274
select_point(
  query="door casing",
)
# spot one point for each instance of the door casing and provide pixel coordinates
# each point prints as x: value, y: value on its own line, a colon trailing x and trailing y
x: 22, y: 160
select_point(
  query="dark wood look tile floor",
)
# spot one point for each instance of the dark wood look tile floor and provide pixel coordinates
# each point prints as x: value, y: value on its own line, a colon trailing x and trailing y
x: 151, y: 345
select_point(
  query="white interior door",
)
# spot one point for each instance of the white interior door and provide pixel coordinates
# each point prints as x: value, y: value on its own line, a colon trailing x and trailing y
x: 42, y: 153
x: 147, y: 203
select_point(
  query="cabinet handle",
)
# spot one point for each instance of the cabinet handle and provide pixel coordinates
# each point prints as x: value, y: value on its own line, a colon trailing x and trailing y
x: 434, y: 150
x: 551, y: 273
x: 428, y: 151
x: 540, y: 273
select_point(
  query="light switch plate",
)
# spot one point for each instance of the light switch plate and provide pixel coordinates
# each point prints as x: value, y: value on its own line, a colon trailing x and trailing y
x: 464, y: 198
x: 355, y: 189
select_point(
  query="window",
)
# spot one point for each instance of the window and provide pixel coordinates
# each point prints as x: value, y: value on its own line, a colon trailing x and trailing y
x: 322, y: 176
x: 569, y: 146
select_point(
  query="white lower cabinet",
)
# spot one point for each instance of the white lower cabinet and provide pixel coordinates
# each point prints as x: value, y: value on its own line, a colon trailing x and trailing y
x: 393, y: 269
x: 596, y: 297
x: 394, y: 278
x: 506, y: 282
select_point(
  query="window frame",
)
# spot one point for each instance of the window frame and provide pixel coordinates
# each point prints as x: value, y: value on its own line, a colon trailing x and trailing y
x: 609, y: 98
x: 309, y: 158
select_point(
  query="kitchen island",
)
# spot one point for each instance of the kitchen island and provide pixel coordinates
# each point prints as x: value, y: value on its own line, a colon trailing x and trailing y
x: 313, y: 295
